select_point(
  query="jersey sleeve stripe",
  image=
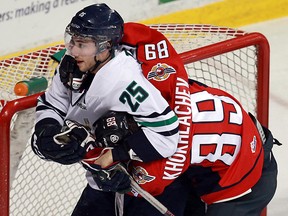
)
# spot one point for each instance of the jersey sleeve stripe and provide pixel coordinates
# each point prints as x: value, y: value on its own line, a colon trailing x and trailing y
x: 169, y: 133
x: 43, y: 104
x: 160, y: 123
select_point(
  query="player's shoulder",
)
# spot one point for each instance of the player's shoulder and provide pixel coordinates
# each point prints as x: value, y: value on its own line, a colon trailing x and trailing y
x: 121, y: 70
x: 124, y: 55
x: 124, y: 61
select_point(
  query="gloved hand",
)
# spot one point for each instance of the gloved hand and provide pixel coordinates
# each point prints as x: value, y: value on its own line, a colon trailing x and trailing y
x: 69, y: 72
x: 66, y: 68
x: 113, y: 127
x: 66, y: 147
x: 112, y: 178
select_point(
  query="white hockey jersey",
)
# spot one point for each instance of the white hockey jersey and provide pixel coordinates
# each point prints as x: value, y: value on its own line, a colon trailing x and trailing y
x: 119, y: 86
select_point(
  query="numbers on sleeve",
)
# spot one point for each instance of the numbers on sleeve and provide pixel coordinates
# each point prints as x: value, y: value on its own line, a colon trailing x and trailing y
x: 133, y: 92
x: 111, y: 121
x: 215, y: 146
x: 160, y: 50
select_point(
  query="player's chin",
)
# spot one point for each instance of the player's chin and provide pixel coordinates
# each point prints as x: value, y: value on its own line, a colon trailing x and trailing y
x: 82, y: 67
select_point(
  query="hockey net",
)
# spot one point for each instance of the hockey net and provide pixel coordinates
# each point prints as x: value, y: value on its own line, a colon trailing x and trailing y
x: 229, y: 59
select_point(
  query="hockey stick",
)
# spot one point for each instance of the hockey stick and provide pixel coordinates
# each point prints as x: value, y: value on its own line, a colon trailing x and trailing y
x: 152, y: 200
x: 134, y: 186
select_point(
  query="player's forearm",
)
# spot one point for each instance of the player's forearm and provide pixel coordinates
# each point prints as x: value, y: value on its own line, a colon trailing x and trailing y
x: 138, y: 147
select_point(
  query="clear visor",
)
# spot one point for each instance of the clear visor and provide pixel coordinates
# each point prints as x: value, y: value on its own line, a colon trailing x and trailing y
x: 79, y: 46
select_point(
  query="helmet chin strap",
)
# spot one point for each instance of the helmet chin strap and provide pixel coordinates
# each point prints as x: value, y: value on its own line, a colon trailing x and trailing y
x: 98, y: 62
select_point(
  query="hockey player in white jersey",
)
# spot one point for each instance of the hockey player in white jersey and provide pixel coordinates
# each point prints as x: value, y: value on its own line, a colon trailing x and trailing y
x: 94, y: 77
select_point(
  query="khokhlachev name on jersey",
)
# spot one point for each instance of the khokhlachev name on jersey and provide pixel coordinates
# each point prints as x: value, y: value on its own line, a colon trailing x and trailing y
x: 178, y: 162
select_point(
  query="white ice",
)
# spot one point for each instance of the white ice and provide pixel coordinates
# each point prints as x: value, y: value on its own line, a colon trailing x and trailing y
x: 276, y: 31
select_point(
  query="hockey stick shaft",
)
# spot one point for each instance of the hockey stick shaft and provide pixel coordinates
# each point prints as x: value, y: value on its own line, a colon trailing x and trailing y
x: 152, y: 200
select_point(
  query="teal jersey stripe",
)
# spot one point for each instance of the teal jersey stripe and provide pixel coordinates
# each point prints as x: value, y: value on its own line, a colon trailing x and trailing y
x: 159, y: 123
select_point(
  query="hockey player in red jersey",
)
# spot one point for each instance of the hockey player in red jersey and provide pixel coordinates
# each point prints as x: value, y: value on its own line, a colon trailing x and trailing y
x: 230, y: 170
x: 232, y: 167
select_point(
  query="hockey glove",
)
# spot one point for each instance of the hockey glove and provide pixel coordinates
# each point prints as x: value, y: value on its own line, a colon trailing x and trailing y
x: 70, y: 75
x: 78, y: 136
x: 44, y: 146
x: 113, y: 127
x: 67, y: 147
x: 111, y: 179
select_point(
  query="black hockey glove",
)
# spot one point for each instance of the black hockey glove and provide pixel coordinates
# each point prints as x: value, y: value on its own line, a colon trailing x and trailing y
x: 44, y: 146
x: 113, y: 127
x: 66, y: 147
x: 111, y: 179
x: 70, y: 75
x: 78, y: 136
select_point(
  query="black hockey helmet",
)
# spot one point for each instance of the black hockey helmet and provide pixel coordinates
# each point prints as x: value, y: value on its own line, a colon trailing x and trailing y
x: 99, y: 22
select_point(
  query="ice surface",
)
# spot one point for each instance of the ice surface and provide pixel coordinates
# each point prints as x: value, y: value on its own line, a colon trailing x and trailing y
x: 276, y: 31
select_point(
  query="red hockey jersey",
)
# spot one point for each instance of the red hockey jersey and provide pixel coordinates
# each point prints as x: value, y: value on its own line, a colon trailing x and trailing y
x: 226, y: 154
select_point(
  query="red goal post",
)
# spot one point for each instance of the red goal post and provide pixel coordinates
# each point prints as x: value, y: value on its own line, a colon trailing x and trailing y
x: 230, y: 59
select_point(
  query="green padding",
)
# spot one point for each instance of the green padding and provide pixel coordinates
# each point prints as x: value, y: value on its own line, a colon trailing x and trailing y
x: 58, y: 56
